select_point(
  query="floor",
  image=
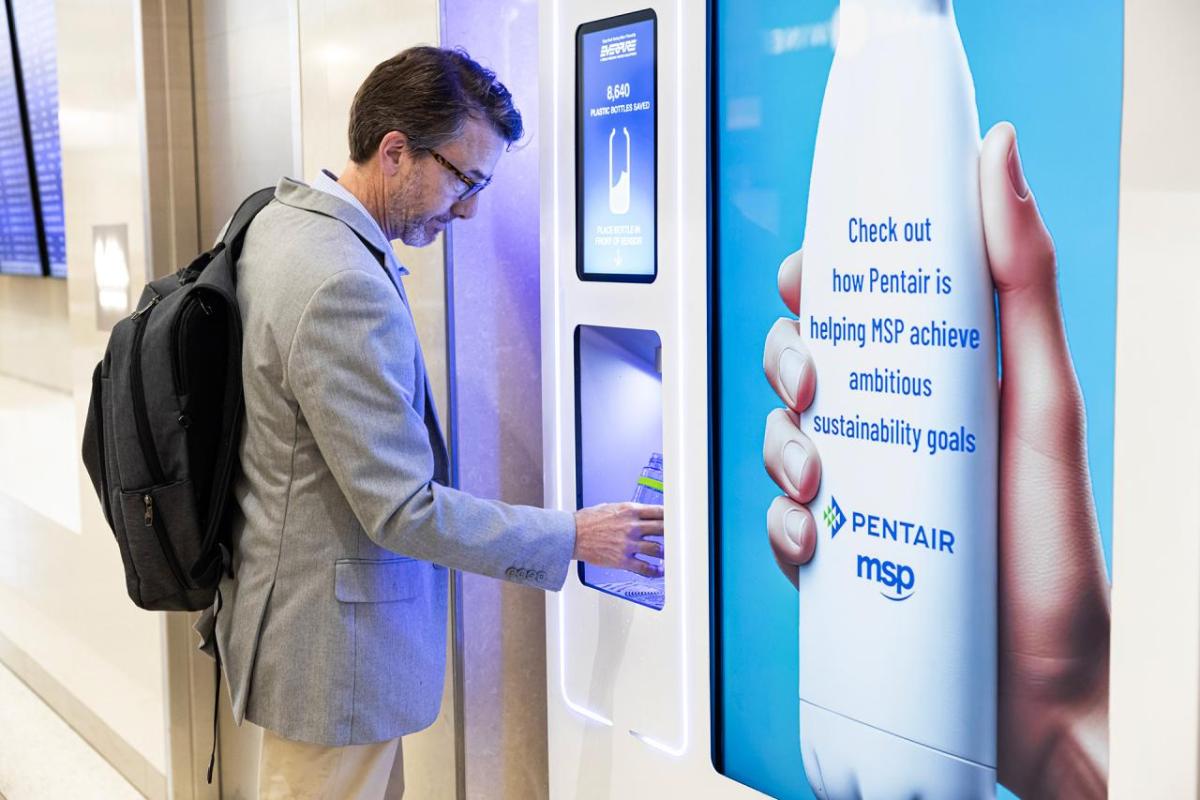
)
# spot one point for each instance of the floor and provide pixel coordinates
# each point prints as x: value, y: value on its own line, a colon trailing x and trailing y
x: 42, y: 758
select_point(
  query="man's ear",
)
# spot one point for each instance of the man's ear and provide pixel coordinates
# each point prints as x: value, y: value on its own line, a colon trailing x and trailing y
x: 391, y: 149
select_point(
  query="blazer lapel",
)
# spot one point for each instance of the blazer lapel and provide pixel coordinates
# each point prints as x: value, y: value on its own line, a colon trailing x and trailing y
x: 299, y: 195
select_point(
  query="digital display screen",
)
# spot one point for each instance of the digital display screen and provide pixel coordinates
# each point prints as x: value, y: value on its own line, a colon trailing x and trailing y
x: 36, y: 33
x: 616, y: 158
x: 19, y: 251
x: 770, y: 71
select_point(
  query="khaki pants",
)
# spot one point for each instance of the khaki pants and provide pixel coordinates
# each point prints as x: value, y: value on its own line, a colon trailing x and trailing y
x: 290, y: 770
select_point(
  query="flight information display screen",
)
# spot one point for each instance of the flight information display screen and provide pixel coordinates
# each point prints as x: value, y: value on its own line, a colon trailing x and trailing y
x: 616, y: 155
x: 19, y: 251
x: 36, y: 37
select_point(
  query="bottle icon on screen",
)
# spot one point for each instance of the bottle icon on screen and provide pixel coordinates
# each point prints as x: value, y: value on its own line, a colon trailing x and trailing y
x: 618, y: 193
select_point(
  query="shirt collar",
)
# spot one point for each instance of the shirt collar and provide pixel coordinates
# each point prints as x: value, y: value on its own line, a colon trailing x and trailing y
x: 327, y: 182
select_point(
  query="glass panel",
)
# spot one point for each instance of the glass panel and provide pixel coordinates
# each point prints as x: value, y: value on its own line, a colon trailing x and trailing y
x: 619, y: 439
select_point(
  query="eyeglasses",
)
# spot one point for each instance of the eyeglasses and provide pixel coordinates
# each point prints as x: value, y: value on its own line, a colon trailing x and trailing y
x: 473, y: 187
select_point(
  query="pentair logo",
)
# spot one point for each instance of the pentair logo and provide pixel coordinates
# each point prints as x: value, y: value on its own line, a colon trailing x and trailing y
x: 834, y: 518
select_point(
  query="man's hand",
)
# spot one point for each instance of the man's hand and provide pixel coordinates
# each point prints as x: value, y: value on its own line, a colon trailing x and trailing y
x: 610, y: 535
x: 1053, y: 590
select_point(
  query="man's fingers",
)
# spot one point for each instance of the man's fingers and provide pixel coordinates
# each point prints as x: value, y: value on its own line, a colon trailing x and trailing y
x: 646, y: 547
x: 647, y: 510
x: 648, y: 527
x: 793, y: 536
x: 643, y: 568
x: 1041, y: 399
x: 790, y: 457
x: 789, y: 280
x: 788, y: 366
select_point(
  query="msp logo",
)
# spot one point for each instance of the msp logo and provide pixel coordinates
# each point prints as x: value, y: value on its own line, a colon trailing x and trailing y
x: 834, y: 518
x: 900, y: 578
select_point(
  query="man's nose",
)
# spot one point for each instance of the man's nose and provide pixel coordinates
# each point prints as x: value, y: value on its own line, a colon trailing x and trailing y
x: 465, y: 209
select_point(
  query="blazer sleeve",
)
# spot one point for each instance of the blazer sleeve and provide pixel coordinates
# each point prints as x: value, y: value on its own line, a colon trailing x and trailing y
x: 352, y: 369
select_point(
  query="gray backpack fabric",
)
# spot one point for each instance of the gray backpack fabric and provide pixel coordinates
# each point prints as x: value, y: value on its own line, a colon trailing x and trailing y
x: 161, y: 439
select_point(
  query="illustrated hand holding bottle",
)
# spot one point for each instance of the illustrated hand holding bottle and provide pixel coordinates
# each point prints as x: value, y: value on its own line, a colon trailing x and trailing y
x: 1053, y: 610
x: 898, y: 672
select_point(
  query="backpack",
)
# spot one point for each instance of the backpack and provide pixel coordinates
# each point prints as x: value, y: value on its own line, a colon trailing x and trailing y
x: 163, y: 426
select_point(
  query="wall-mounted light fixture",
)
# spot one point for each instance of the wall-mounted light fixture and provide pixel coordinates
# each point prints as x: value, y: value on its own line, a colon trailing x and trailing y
x: 110, y: 253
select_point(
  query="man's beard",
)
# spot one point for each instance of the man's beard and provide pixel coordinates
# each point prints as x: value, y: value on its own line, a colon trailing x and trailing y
x: 417, y: 232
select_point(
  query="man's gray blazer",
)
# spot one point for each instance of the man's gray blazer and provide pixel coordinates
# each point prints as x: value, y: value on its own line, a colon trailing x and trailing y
x: 332, y: 629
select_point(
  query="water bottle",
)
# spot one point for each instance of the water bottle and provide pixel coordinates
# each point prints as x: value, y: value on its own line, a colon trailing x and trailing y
x: 898, y: 606
x: 649, y: 490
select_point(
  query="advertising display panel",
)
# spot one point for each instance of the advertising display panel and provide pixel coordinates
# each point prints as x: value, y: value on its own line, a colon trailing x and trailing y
x: 916, y: 242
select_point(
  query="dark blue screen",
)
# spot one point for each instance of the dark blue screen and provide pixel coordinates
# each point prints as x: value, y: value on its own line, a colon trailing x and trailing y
x: 617, y: 162
x: 19, y: 254
x: 36, y: 43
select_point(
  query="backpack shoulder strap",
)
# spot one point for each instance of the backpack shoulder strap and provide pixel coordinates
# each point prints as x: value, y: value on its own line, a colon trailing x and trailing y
x: 223, y: 257
x: 246, y: 212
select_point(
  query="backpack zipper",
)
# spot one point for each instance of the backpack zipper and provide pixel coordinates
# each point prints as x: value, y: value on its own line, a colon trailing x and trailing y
x: 145, y: 437
x: 146, y: 309
x: 146, y: 441
x: 178, y: 362
x: 152, y: 521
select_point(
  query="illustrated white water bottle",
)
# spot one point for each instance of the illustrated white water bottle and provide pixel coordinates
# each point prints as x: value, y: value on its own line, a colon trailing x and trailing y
x: 898, y: 606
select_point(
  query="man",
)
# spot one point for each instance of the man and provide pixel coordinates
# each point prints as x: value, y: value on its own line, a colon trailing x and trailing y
x: 332, y: 630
